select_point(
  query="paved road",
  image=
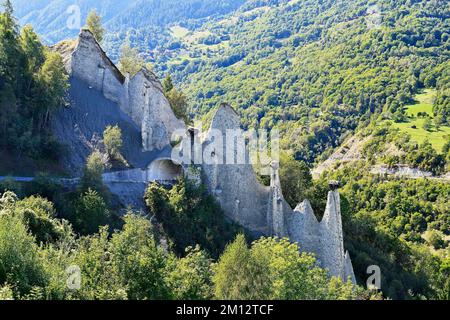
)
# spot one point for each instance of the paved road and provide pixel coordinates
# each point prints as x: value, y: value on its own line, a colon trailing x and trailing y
x: 30, y: 179
x: 17, y: 179
x: 71, y: 181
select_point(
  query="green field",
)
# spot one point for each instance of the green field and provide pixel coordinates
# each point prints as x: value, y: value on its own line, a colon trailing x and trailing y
x: 179, y: 32
x: 424, y: 103
x: 414, y: 127
x: 192, y: 48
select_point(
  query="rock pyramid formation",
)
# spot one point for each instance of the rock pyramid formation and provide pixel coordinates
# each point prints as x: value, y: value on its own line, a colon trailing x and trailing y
x: 101, y: 95
x: 264, y: 211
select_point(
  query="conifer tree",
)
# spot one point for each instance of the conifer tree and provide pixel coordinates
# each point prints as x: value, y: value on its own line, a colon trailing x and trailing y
x: 32, y: 48
x: 9, y: 69
x: 167, y: 84
x: 240, y: 275
x: 94, y: 24
x: 9, y: 45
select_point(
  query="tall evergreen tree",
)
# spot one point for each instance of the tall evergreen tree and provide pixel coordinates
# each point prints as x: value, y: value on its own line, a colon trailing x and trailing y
x: 167, y: 84
x: 9, y: 65
x: 9, y: 46
x: 53, y: 80
x: 94, y: 24
x: 240, y: 275
x: 32, y: 48
x: 177, y: 99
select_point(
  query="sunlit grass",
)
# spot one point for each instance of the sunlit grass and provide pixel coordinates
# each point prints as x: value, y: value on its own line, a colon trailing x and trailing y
x: 424, y: 104
x: 179, y: 32
x: 414, y: 127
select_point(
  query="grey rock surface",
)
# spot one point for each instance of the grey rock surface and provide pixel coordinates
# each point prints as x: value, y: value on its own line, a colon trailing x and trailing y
x: 264, y: 211
x: 79, y: 127
x: 235, y: 186
x: 140, y: 98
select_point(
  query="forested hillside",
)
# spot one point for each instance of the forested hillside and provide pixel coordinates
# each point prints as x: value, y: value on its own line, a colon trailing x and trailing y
x: 317, y: 70
x: 32, y: 87
x: 400, y: 225
x: 51, y: 235
x: 143, y: 21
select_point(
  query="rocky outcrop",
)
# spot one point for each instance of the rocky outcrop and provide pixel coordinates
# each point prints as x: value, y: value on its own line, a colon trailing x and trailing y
x: 401, y: 171
x: 235, y: 186
x: 331, y: 245
x: 80, y: 126
x: 139, y: 98
x: 264, y: 211
x: 304, y: 227
x: 348, y: 268
x: 324, y: 238
x: 147, y: 106
x: 350, y: 151
x: 89, y: 63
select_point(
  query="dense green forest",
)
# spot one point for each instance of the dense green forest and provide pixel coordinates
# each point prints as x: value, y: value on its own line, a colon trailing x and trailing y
x: 32, y: 86
x: 193, y: 252
x: 46, y: 231
x: 317, y: 70
x: 143, y: 22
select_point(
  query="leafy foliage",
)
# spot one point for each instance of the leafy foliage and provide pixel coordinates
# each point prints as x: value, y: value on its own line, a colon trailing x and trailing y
x: 139, y: 262
x: 39, y: 216
x: 32, y: 86
x: 240, y: 275
x: 112, y: 138
x: 191, y: 277
x: 130, y: 264
x: 20, y: 263
x: 316, y: 70
x: 179, y: 104
x: 190, y: 217
x: 130, y: 60
x: 90, y: 212
x: 145, y: 20
x: 92, y: 174
x: 422, y: 156
x: 274, y: 269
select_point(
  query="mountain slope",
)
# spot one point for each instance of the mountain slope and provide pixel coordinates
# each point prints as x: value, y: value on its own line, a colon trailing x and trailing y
x: 315, y: 70
x: 50, y: 17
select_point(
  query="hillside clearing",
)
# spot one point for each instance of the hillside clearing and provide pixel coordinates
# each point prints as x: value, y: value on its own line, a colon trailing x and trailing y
x: 414, y: 126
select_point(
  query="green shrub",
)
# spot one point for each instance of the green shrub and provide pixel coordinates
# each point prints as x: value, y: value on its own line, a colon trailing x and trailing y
x: 20, y: 262
x: 90, y: 212
x: 190, y: 217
